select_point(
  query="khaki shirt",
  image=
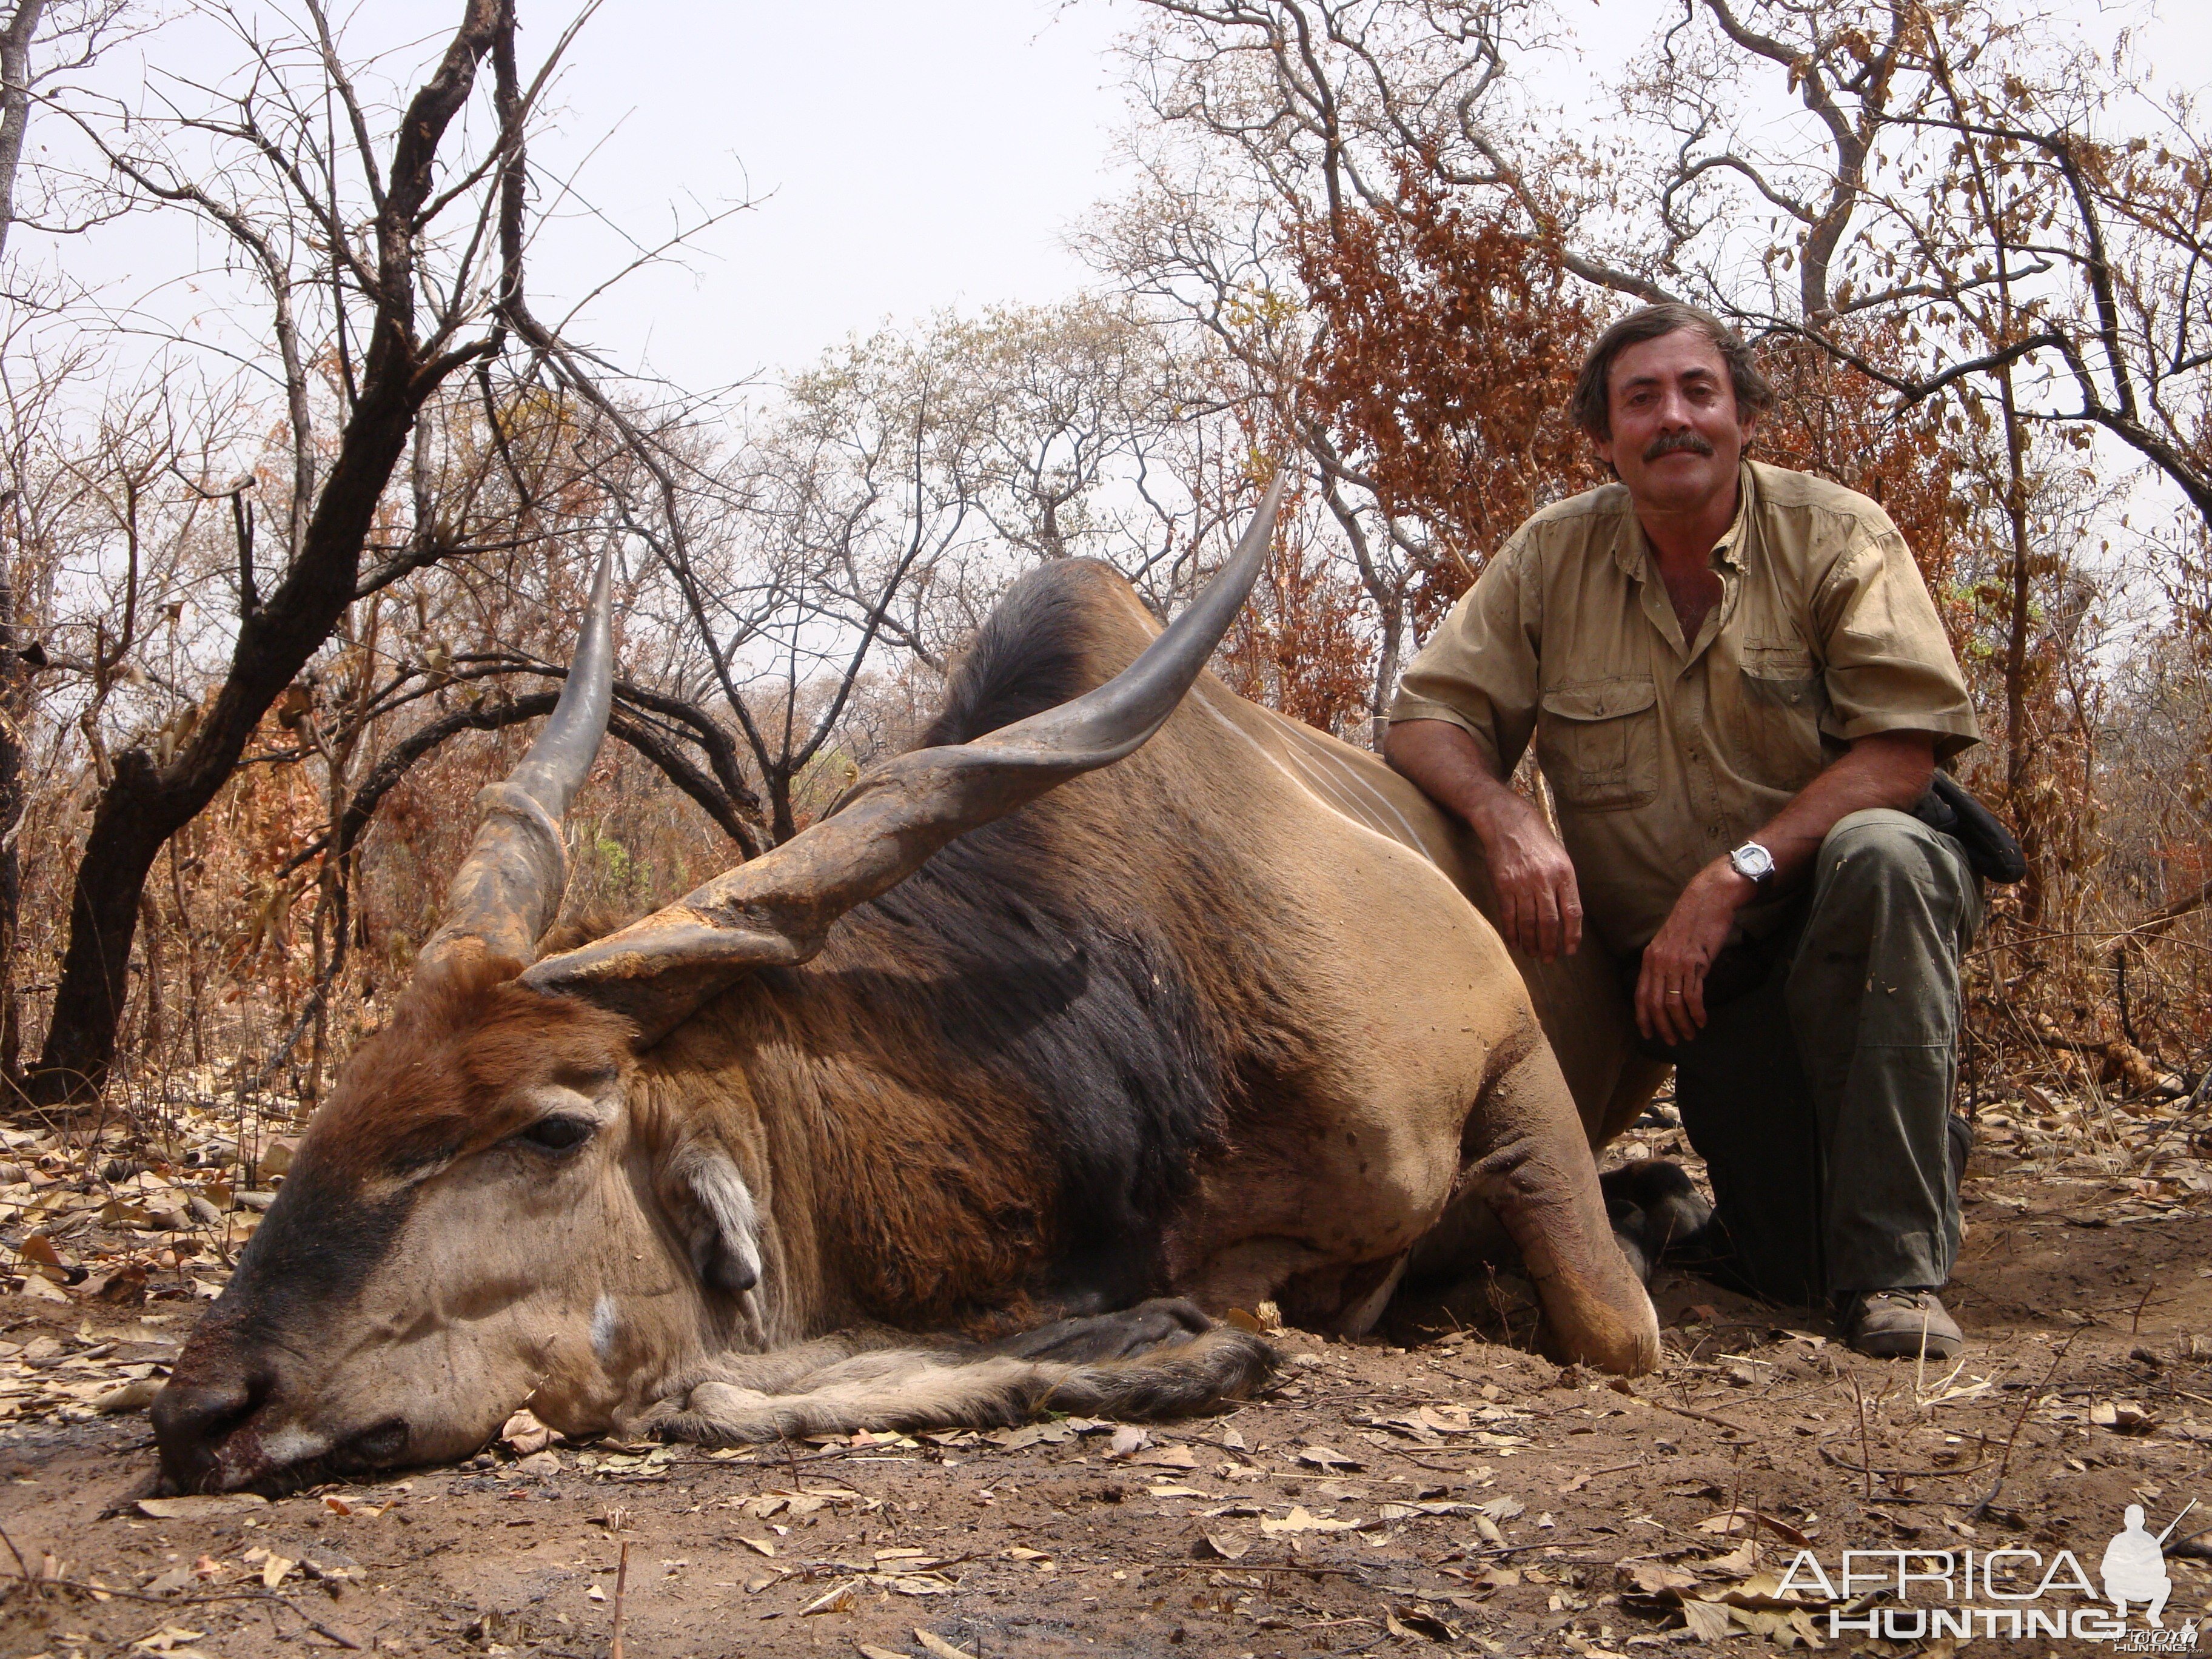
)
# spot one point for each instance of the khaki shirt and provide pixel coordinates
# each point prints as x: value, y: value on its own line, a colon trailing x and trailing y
x: 1663, y: 755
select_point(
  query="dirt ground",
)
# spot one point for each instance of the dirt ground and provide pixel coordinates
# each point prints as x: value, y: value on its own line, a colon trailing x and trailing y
x: 1416, y: 1492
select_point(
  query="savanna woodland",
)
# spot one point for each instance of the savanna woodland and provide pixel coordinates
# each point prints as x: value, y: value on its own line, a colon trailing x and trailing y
x: 296, y: 523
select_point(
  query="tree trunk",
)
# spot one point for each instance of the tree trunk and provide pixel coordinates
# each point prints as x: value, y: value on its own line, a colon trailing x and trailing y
x: 23, y: 22
x: 2020, y: 600
x: 146, y: 804
x: 15, y: 709
x: 15, y: 102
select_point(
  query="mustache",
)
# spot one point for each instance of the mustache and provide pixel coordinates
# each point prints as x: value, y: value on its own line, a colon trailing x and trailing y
x: 1669, y: 443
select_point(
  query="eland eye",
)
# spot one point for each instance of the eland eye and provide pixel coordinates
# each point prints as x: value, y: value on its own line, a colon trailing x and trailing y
x: 558, y: 1133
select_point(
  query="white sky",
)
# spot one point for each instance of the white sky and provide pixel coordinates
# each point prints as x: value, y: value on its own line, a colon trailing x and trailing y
x: 904, y: 157
x: 910, y: 156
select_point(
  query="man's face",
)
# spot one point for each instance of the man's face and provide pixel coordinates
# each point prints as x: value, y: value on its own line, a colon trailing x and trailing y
x: 1676, y: 433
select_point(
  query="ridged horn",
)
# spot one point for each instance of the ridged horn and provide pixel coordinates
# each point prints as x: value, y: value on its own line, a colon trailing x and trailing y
x: 777, y: 909
x: 508, y: 889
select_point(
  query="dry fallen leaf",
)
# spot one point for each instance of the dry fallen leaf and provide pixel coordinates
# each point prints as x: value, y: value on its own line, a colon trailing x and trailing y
x: 760, y: 1544
x: 1228, y: 1545
x: 1167, y: 1457
x: 1322, y: 1458
x: 1127, y: 1440
x: 1737, y: 1562
x: 833, y: 1600
x: 1707, y: 1621
x: 274, y: 1570
x: 1302, y: 1519
x: 595, y: 1593
x: 524, y: 1434
x: 1655, y: 1577
x: 2122, y: 1417
x: 198, y: 1508
x: 939, y: 1646
x: 870, y: 1651
x: 134, y: 1396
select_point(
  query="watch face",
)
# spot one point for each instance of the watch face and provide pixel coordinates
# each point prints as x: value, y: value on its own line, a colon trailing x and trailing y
x: 1752, y: 861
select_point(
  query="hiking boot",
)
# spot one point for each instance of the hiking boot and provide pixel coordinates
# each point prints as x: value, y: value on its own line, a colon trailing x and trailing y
x: 1901, y: 1324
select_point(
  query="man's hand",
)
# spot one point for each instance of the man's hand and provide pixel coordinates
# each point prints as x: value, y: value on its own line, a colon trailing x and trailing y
x: 1885, y: 769
x: 1539, y: 908
x: 1670, y: 992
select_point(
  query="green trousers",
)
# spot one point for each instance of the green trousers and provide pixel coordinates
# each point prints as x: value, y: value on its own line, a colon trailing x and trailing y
x: 1819, y: 1099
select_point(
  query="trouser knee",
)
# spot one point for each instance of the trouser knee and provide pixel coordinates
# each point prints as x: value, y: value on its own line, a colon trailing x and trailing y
x: 1869, y: 851
x: 1880, y: 870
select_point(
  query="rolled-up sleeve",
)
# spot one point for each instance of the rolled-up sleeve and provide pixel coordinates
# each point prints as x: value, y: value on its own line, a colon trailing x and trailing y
x: 1478, y: 670
x: 1889, y: 666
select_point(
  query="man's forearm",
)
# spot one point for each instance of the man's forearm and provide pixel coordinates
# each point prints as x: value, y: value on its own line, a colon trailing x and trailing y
x: 1890, y: 768
x: 1540, y: 907
x: 1448, y: 766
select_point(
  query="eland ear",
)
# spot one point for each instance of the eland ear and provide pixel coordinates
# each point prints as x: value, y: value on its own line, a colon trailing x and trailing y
x: 720, y: 1223
x: 777, y: 909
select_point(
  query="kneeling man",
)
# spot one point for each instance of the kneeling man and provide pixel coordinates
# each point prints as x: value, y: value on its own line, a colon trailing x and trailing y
x: 1738, y: 688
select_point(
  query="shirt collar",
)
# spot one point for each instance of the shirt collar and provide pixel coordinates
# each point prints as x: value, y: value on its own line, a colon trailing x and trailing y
x: 1631, y: 549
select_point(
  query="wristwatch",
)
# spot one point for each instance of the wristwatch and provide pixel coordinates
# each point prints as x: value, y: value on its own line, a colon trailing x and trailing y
x: 1753, y: 863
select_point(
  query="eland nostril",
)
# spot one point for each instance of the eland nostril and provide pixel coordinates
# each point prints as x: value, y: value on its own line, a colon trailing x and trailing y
x: 192, y: 1419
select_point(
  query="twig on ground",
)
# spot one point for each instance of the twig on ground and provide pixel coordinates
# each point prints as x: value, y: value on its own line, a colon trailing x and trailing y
x: 2019, y: 1418
x: 30, y: 1584
x: 1692, y: 1413
x: 1866, y: 1446
x: 622, y: 1588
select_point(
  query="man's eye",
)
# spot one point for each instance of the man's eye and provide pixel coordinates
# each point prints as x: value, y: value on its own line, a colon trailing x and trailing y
x: 557, y: 1134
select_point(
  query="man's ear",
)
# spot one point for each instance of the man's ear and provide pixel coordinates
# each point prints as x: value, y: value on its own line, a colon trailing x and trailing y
x: 716, y: 1210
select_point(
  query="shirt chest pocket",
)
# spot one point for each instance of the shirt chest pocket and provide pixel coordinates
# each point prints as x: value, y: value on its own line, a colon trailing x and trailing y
x: 1598, y: 743
x: 1781, y: 698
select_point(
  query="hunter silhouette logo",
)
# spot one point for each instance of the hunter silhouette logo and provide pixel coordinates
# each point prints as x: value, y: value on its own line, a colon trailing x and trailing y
x: 2134, y: 1567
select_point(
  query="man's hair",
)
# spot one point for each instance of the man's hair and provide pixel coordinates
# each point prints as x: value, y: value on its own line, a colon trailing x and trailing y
x: 1592, y: 408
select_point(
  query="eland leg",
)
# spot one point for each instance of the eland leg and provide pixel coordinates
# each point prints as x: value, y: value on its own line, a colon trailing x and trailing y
x: 1151, y: 1361
x: 1526, y: 1158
